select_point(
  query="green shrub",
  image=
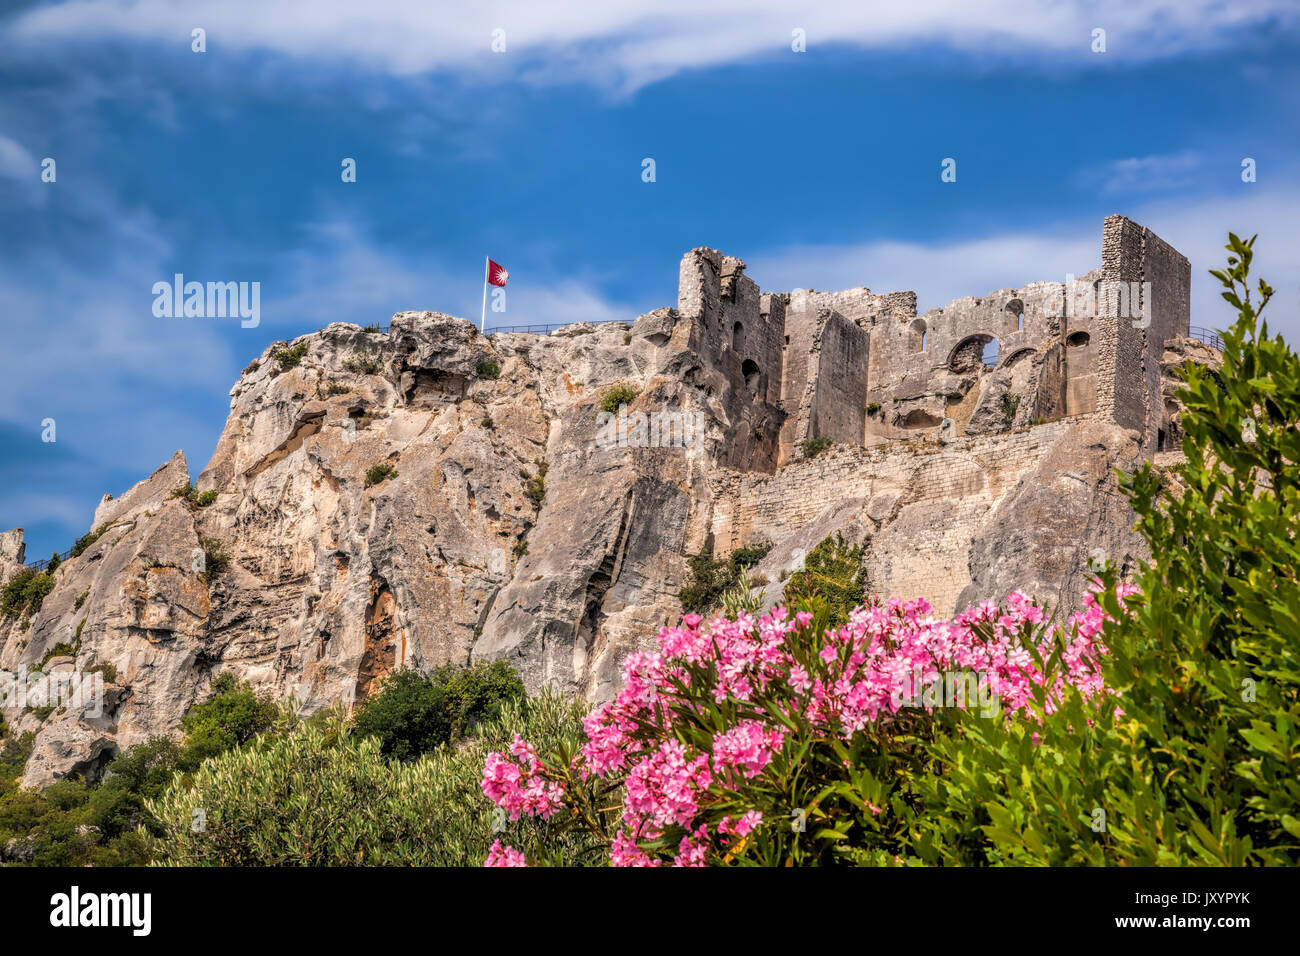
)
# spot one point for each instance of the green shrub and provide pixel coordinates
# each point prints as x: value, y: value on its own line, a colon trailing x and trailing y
x: 13, y: 758
x: 362, y: 364
x: 25, y: 592
x: 290, y: 356
x: 1010, y: 404
x: 618, y: 395
x: 477, y: 693
x: 381, y: 472
x: 215, y: 559
x: 106, y: 670
x: 52, y: 565
x: 873, y: 409
x: 743, y: 558
x: 535, y: 485
x: 192, y: 497
x: 408, y: 716
x: 76, y: 823
x: 832, y: 580
x: 313, y: 798
x: 81, y: 599
x: 86, y: 540
x: 709, y: 579
x: 231, y: 716
x: 1200, y: 767
x: 372, y: 329
x: 414, y: 714
x: 520, y: 548
x: 812, y: 447
x: 72, y: 823
x: 487, y: 368
x: 58, y: 650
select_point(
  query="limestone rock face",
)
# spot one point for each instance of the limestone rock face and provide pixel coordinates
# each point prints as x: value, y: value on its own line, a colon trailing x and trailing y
x: 382, y: 500
x: 1060, y: 517
x: 12, y: 552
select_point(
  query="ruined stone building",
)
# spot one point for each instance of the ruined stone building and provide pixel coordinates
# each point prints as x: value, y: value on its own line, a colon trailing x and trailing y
x: 972, y: 451
x: 864, y: 368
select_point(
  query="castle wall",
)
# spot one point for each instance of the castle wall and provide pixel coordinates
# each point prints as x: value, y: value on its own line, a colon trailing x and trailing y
x: 824, y: 379
x: 739, y: 334
x: 840, y: 388
x: 1129, y: 388
x: 817, y: 360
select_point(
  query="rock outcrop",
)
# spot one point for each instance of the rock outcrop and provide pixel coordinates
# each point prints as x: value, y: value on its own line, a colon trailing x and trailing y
x: 382, y: 500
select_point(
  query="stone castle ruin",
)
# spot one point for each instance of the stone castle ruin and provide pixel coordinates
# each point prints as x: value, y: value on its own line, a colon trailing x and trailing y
x: 430, y: 494
x: 864, y: 368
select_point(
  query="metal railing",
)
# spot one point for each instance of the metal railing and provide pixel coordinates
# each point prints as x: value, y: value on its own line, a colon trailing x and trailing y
x: 1211, y: 337
x: 44, y: 563
x: 518, y: 328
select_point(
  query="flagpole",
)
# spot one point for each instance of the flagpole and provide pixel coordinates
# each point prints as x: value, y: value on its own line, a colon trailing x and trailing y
x: 482, y: 321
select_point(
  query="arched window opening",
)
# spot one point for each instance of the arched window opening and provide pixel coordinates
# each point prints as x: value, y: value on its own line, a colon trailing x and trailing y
x: 737, y: 336
x: 919, y: 333
x: 973, y: 352
x: 1016, y: 309
x: 1078, y: 340
x: 750, y: 370
x: 1017, y: 357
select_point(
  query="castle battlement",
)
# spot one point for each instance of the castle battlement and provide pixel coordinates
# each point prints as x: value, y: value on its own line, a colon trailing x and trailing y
x: 863, y: 367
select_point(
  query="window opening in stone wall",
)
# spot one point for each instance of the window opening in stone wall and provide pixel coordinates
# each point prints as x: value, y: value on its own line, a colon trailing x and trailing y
x: 972, y: 352
x: 750, y: 370
x: 919, y: 334
x: 1017, y: 308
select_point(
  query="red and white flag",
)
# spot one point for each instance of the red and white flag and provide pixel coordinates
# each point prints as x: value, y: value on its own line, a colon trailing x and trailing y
x: 497, y: 274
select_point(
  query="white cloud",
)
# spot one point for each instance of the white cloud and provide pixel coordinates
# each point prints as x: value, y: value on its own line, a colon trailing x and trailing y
x: 1142, y: 173
x: 16, y: 162
x: 941, y: 271
x: 342, y: 274
x: 83, y: 346
x: 937, y: 271
x: 630, y: 43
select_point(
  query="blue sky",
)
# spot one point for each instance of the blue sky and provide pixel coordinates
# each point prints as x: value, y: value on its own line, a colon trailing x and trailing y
x: 820, y: 169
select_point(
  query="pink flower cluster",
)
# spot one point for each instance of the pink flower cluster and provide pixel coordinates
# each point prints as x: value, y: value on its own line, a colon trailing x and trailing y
x: 517, y: 786
x: 836, y: 683
x: 500, y: 855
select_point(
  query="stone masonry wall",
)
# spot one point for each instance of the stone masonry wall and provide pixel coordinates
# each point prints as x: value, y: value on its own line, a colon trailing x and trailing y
x: 925, y: 504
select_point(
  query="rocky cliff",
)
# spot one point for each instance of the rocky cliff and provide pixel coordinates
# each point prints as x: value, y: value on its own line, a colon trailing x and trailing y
x: 380, y: 500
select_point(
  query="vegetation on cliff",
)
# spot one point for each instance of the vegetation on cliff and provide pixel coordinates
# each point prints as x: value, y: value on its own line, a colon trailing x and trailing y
x: 1159, y: 726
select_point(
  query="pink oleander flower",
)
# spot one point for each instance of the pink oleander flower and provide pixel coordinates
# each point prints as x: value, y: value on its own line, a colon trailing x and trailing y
x: 747, y: 747
x: 775, y: 673
x: 747, y: 824
x: 517, y: 785
x: 499, y: 855
x: 663, y: 787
